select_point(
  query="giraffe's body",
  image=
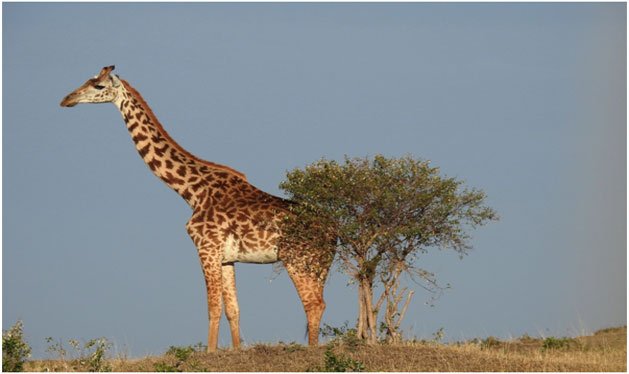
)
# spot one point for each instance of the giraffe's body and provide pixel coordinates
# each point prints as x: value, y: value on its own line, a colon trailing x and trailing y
x: 232, y: 221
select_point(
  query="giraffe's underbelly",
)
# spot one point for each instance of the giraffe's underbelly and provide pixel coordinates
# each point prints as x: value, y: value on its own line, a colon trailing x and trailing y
x: 233, y: 251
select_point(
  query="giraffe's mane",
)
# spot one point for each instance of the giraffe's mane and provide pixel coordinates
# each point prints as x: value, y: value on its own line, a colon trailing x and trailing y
x: 159, y: 126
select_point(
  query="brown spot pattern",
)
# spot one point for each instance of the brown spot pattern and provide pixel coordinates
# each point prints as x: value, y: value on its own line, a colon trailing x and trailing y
x: 224, y: 206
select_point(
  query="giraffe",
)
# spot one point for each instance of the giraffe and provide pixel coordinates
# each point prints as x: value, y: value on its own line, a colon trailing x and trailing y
x: 232, y: 221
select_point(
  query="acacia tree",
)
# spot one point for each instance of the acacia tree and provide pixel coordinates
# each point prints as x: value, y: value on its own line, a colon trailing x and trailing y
x: 377, y: 215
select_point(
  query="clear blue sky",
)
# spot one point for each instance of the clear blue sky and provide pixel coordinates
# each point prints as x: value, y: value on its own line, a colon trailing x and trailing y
x: 524, y: 101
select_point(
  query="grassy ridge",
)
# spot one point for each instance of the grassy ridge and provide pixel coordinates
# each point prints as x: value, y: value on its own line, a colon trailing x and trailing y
x: 606, y: 350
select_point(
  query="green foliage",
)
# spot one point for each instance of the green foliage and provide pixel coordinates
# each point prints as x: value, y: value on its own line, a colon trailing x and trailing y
x: 337, y: 362
x: 181, y: 355
x: 95, y: 359
x: 15, y: 350
x: 161, y: 367
x: 340, y: 363
x: 552, y: 343
x: 341, y: 335
x: 366, y: 203
x: 91, y: 356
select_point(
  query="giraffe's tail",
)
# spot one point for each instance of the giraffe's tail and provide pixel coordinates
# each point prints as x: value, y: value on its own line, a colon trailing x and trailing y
x: 306, y: 331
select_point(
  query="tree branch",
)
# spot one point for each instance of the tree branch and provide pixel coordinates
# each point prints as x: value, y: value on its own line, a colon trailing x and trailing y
x: 404, y: 308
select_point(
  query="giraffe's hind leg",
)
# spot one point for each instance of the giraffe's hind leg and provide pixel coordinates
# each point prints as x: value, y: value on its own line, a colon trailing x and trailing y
x: 310, y: 289
x: 230, y: 300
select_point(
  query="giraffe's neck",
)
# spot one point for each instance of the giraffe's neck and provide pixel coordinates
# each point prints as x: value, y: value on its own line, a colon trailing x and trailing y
x: 190, y: 176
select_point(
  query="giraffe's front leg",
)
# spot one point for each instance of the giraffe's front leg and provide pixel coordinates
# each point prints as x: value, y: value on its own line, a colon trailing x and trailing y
x: 211, y: 257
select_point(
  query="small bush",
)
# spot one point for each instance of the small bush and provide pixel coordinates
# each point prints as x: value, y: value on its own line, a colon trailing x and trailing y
x: 341, y: 335
x: 161, y: 367
x: 334, y: 363
x: 182, y: 356
x: 181, y: 353
x: 90, y: 356
x: 95, y: 359
x: 338, y: 363
x: 552, y: 343
x: 15, y: 350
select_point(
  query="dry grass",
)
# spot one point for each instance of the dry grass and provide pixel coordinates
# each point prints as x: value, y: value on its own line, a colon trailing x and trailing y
x: 604, y: 351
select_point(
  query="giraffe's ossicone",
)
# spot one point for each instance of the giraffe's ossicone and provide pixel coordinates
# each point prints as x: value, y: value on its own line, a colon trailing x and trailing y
x: 232, y: 221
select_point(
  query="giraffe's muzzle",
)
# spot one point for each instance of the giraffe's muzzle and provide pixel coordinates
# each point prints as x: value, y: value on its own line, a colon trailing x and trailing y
x: 69, y: 101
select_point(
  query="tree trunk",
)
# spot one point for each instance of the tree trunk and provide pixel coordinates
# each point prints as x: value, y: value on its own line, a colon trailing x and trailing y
x: 361, y: 329
x: 367, y: 318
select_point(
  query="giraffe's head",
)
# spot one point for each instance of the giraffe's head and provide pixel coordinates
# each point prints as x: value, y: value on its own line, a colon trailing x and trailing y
x: 103, y: 88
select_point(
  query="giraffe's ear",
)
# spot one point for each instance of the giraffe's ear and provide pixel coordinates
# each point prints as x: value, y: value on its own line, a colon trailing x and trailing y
x: 115, y: 80
x: 105, y: 71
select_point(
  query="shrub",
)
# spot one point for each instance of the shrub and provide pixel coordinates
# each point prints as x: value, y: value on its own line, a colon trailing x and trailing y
x: 341, y: 335
x: 338, y: 363
x: 15, y: 350
x: 181, y: 353
x: 552, y: 343
x: 181, y: 356
x: 161, y: 367
x: 334, y: 363
x: 87, y: 357
x: 95, y: 360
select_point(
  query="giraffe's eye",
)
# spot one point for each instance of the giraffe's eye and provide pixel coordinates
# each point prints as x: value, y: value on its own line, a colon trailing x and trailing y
x: 98, y: 86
